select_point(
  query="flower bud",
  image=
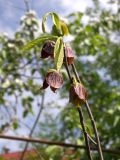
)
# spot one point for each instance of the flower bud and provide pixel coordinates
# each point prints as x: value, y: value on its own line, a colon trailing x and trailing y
x: 53, y: 79
x: 78, y: 94
x: 48, y: 49
x: 69, y: 54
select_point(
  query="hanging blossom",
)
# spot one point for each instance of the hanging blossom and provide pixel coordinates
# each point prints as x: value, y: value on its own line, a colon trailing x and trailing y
x: 53, y: 79
x: 77, y: 94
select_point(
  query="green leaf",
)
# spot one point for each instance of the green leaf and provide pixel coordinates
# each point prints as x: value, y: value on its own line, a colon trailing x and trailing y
x: 25, y: 113
x: 37, y: 41
x: 59, y: 24
x: 64, y: 28
x: 15, y: 125
x: 58, y: 53
x: 55, y: 19
x: 44, y: 20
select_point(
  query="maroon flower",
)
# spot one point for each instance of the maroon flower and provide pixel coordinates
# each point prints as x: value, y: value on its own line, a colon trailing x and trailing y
x: 53, y: 79
x: 48, y: 49
x: 69, y: 54
x: 78, y: 94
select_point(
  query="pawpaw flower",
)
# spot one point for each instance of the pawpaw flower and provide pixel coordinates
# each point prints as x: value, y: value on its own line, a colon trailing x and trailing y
x: 48, y: 49
x: 53, y: 79
x: 78, y: 94
x: 69, y: 54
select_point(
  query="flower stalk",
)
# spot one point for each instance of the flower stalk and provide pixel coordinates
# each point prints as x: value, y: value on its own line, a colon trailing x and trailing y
x: 91, y: 117
x: 80, y: 114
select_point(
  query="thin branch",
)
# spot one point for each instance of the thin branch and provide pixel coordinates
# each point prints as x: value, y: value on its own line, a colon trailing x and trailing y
x: 91, y: 118
x: 67, y: 68
x: 80, y: 114
x: 85, y: 133
x: 41, y: 141
x: 34, y: 125
x: 91, y: 139
x: 75, y: 72
x: 95, y: 130
x: 27, y: 5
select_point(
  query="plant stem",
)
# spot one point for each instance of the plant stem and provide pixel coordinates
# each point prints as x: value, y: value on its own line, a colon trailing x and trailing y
x: 85, y: 133
x: 91, y: 117
x: 95, y: 130
x: 80, y: 114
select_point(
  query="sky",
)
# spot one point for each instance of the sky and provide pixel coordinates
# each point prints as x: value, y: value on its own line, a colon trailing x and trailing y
x: 12, y: 10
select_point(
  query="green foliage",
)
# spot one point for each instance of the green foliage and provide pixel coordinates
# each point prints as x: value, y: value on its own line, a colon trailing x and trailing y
x: 96, y: 46
x: 58, y: 53
x: 37, y: 41
x: 59, y: 25
x: 55, y: 19
x: 64, y: 28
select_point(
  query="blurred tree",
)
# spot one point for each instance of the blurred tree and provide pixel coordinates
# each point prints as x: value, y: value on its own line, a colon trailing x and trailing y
x: 96, y: 46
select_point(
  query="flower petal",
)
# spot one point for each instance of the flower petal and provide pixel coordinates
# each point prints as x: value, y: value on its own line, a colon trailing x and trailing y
x: 81, y: 92
x: 44, y: 54
x: 69, y: 54
x: 54, y: 79
x: 53, y: 89
x: 45, y: 84
x: 48, y: 49
x: 78, y: 94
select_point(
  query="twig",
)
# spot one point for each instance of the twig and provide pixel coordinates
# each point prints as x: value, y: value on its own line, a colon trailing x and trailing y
x: 85, y: 133
x: 34, y: 125
x: 91, y: 139
x: 75, y: 72
x: 27, y: 5
x: 91, y: 118
x: 67, y: 68
x: 95, y: 130
x: 80, y: 114
x: 41, y: 141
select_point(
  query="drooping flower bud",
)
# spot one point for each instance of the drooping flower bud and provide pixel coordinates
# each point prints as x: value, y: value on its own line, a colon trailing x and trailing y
x: 48, y: 49
x: 53, y: 79
x: 69, y: 54
x: 78, y: 94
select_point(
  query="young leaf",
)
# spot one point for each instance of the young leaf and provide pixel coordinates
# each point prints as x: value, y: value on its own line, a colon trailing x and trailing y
x: 59, y: 24
x: 58, y: 53
x: 15, y: 125
x: 37, y: 41
x: 44, y: 20
x: 64, y: 28
x: 56, y: 20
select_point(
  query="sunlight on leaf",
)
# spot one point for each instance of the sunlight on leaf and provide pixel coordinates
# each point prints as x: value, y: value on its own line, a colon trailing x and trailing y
x: 58, y: 53
x: 64, y: 28
x: 55, y: 19
x: 37, y: 41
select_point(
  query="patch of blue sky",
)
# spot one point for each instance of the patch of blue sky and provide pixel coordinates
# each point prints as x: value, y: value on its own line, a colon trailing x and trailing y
x: 12, y: 10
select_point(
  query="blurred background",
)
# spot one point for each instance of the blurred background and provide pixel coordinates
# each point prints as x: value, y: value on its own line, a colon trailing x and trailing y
x: 94, y: 27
